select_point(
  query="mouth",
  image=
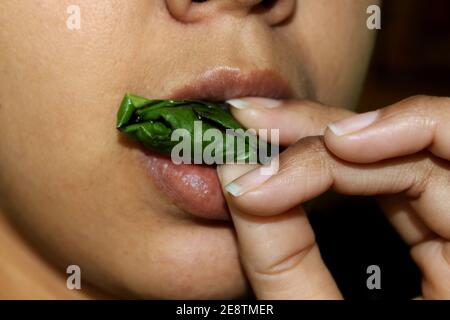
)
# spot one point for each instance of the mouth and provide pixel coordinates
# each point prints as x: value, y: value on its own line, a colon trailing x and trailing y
x: 196, y: 189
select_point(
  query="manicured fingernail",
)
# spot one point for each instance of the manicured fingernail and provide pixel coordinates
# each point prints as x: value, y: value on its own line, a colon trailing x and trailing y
x: 247, y: 182
x: 238, y: 103
x: 254, y: 102
x: 354, y: 123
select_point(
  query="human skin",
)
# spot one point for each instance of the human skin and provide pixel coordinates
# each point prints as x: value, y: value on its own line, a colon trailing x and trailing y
x: 72, y: 192
x: 399, y: 153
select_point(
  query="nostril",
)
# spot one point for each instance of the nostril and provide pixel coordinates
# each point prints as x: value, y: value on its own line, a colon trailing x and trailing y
x: 267, y: 4
x: 184, y: 10
x: 275, y: 11
x: 264, y: 6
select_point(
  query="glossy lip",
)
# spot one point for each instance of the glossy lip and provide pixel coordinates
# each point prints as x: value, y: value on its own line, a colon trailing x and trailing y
x: 196, y: 189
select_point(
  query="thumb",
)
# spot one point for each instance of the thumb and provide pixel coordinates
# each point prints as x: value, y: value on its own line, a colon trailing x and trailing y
x: 279, y: 253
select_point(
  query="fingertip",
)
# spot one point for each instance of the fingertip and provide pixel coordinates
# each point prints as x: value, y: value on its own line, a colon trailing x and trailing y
x: 255, y: 102
x: 257, y: 203
x: 234, y: 189
x: 354, y: 124
x: 335, y: 130
x: 238, y: 103
x: 351, y: 148
x: 227, y: 173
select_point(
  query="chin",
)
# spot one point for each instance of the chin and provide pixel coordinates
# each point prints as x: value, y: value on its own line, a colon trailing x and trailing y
x: 194, y: 261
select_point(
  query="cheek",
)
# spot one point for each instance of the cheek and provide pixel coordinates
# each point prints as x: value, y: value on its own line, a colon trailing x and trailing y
x: 336, y: 44
x: 90, y: 207
x: 59, y: 95
x: 124, y: 242
x: 44, y: 64
x: 63, y: 172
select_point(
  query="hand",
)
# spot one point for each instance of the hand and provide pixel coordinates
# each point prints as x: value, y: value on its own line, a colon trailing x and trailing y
x: 400, y: 152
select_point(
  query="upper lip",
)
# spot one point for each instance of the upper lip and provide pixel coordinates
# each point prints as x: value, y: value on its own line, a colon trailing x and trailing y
x: 224, y: 83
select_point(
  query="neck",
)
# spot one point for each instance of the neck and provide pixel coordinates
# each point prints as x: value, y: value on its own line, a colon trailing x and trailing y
x: 25, y: 274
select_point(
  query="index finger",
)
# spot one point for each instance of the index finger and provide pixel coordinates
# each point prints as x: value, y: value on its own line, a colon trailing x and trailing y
x: 307, y: 169
x: 279, y: 253
x: 295, y: 119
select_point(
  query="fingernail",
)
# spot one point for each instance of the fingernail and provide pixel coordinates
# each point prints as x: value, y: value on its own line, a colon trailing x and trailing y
x: 247, y: 182
x: 254, y: 102
x: 354, y: 123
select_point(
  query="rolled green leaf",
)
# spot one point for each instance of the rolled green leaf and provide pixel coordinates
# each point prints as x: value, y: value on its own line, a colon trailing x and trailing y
x: 153, y: 122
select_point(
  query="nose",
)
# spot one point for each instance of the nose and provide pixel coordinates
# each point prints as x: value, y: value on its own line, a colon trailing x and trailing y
x: 273, y: 12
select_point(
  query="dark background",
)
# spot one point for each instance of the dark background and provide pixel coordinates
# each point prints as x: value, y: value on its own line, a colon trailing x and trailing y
x: 412, y: 56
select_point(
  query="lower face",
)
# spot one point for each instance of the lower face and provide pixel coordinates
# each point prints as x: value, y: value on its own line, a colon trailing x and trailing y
x: 86, y: 195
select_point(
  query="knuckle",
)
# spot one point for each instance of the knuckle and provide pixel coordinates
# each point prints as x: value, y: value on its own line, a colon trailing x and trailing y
x: 306, y: 150
x: 418, y: 100
x: 306, y: 155
x: 284, y: 264
x: 424, y: 173
x: 422, y: 104
x: 414, y: 106
x: 428, y: 170
x: 420, y: 110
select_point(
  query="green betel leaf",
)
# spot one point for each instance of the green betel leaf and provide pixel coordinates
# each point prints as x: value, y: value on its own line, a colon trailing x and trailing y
x: 152, y: 122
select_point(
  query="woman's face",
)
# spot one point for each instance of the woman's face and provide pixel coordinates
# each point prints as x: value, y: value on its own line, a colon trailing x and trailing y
x: 81, y: 192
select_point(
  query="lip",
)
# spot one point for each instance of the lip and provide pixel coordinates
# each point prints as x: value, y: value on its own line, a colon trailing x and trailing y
x: 196, y: 189
x: 226, y: 83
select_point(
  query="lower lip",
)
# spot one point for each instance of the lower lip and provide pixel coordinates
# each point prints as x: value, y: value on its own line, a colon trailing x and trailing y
x: 193, y: 188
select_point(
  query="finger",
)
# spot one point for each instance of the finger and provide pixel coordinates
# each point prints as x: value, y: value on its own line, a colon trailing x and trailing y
x: 433, y: 259
x: 279, y: 253
x: 404, y: 128
x: 295, y: 119
x: 405, y: 219
x: 307, y: 169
